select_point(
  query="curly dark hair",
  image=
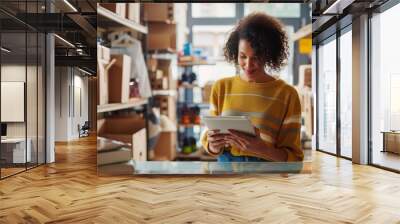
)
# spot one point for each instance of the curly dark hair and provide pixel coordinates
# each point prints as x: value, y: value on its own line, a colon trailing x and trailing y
x: 266, y: 36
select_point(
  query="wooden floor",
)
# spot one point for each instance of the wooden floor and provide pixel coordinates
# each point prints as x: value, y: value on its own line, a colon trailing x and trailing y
x: 69, y: 191
x: 10, y: 171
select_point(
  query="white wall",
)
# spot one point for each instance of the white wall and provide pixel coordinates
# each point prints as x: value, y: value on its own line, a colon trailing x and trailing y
x: 61, y: 104
x: 71, y: 93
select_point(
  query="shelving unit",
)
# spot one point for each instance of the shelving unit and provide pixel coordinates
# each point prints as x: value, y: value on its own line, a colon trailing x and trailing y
x: 164, y: 92
x: 189, y: 125
x: 189, y: 64
x: 190, y: 130
x: 168, y: 51
x: 121, y: 106
x: 111, y: 20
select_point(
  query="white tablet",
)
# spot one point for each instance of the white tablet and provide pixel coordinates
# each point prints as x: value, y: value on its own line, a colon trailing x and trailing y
x: 223, y: 123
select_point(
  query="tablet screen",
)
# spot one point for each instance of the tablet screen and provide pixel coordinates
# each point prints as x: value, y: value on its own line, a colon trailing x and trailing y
x: 223, y: 123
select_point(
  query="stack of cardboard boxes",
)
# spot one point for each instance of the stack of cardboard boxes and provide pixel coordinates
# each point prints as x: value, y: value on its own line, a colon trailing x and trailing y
x: 122, y: 138
x: 165, y: 36
x: 129, y: 11
x: 114, y: 74
x: 161, y: 78
x: 118, y: 81
x: 113, y: 157
x: 165, y: 33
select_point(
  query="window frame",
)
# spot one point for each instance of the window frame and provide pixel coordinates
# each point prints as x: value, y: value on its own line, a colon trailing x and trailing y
x: 296, y: 23
x: 325, y: 37
x: 378, y: 10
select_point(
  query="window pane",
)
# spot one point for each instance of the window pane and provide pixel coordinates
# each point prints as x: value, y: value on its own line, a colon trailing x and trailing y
x: 211, y: 40
x: 286, y: 10
x: 213, y: 10
x: 385, y: 87
x: 327, y: 97
x: 286, y: 73
x: 346, y: 94
x: 15, y: 149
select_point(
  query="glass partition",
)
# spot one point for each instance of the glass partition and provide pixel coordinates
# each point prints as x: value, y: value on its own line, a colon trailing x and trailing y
x: 327, y: 96
x: 385, y: 89
x: 31, y: 98
x: 22, y: 88
x: 15, y: 151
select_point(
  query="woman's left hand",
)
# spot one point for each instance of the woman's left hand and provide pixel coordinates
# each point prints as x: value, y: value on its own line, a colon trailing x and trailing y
x: 246, y: 142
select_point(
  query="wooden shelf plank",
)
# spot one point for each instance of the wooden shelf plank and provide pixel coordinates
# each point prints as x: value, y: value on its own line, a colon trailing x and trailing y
x: 187, y: 64
x: 164, y: 92
x: 201, y: 105
x: 188, y: 86
x: 163, y: 51
x: 107, y: 19
x: 190, y: 125
x: 120, y: 106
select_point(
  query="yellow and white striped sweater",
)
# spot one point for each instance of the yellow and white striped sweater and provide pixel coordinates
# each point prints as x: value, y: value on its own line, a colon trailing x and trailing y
x: 273, y: 107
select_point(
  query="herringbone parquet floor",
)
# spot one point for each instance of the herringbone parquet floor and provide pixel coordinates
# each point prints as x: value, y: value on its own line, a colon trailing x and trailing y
x: 69, y: 191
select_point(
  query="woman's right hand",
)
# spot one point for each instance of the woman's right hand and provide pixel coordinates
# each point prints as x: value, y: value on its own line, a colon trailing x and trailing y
x: 216, y: 141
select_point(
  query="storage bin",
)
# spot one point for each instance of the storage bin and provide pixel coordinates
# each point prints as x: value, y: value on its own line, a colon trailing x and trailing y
x: 127, y: 129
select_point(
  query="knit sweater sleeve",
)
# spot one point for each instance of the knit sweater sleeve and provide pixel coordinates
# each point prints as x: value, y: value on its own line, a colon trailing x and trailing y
x: 215, y: 110
x: 289, y: 133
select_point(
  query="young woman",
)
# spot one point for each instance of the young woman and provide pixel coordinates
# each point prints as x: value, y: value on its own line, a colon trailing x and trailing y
x: 258, y: 44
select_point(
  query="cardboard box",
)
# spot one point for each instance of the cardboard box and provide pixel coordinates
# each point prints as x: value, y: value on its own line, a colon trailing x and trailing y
x: 155, y: 12
x: 166, y: 67
x: 158, y: 81
x: 118, y: 79
x: 121, y: 9
x: 167, y: 106
x: 159, y: 84
x: 161, y: 36
x: 103, y: 53
x: 165, y: 148
x: 117, y: 8
x: 99, y: 52
x: 110, y: 6
x: 102, y: 85
x: 151, y: 64
x: 133, y: 12
x: 128, y: 129
x: 103, y: 56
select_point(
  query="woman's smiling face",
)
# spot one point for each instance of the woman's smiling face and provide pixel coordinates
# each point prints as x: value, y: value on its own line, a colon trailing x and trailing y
x: 249, y: 62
